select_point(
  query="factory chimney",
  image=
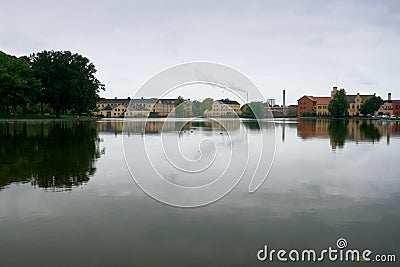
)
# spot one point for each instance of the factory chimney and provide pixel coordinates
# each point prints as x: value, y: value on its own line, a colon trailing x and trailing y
x: 284, y: 98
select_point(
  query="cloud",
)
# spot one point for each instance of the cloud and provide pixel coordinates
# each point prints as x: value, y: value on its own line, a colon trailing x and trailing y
x: 301, y: 46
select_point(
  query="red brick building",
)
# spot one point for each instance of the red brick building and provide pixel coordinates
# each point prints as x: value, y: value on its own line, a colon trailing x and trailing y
x: 396, y: 107
x: 305, y: 104
x: 313, y: 103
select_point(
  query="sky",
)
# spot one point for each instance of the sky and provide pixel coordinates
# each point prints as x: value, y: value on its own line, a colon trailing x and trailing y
x: 304, y: 47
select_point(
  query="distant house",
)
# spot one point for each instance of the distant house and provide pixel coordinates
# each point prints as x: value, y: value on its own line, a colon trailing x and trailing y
x: 389, y: 107
x: 111, y: 108
x: 224, y: 108
x: 396, y: 107
x: 355, y: 102
x: 317, y: 104
x: 320, y: 104
x: 141, y: 107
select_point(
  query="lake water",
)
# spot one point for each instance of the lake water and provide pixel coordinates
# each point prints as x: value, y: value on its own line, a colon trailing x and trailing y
x: 67, y: 197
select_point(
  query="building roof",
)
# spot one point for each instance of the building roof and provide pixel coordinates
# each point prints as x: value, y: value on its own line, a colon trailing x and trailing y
x: 144, y: 100
x: 350, y: 98
x: 228, y: 102
x: 169, y: 101
x: 323, y: 100
x: 113, y: 100
x: 307, y: 96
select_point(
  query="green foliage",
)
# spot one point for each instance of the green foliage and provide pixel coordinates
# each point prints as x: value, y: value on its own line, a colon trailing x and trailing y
x: 179, y: 107
x: 18, y: 85
x: 196, y: 108
x: 310, y: 113
x: 206, y: 105
x: 292, y: 112
x: 68, y: 80
x: 371, y: 105
x: 338, y: 105
x: 253, y: 110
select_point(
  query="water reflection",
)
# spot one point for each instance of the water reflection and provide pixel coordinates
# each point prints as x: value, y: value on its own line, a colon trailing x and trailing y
x: 48, y: 155
x: 156, y: 126
x: 341, y: 131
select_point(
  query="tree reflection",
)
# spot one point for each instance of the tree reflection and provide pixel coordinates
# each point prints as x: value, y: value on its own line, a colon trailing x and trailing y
x: 338, y: 132
x: 48, y: 155
x: 370, y: 132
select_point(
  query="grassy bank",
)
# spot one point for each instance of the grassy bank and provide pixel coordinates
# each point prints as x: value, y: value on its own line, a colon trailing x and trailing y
x: 39, y: 117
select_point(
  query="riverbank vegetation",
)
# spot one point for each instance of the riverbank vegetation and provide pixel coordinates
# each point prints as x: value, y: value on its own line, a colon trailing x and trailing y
x: 47, y: 83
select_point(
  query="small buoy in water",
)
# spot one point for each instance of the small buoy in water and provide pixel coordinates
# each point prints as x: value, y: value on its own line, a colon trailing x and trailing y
x: 191, y: 131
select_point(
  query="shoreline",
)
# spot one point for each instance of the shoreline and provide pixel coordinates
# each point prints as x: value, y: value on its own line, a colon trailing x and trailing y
x: 47, y: 120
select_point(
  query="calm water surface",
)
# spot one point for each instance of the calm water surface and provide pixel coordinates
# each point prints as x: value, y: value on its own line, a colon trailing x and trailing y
x: 67, y: 197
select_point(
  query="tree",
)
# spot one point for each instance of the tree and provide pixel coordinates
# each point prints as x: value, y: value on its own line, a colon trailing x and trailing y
x: 206, y: 105
x: 68, y: 80
x: 338, y: 105
x: 371, y: 105
x: 18, y: 85
x: 196, y: 108
x: 253, y: 110
x: 179, y: 108
x: 292, y: 112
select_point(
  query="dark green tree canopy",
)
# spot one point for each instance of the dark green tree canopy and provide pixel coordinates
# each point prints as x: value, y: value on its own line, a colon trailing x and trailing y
x: 253, y: 110
x: 18, y: 85
x: 371, y: 105
x: 68, y: 80
x: 338, y: 105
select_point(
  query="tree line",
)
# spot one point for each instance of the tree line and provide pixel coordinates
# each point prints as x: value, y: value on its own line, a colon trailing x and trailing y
x: 338, y: 106
x: 62, y: 80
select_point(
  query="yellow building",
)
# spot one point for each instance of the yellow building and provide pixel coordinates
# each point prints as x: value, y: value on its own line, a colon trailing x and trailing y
x: 224, y: 108
x: 142, y: 107
x: 387, y: 107
x: 111, y: 108
x: 355, y: 101
x: 321, y: 106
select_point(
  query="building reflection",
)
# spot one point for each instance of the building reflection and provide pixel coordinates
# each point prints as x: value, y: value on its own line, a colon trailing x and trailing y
x: 341, y: 131
x: 48, y: 155
x: 159, y: 126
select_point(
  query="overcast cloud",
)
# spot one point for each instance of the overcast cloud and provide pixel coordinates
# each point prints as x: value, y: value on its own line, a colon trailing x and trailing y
x: 301, y: 46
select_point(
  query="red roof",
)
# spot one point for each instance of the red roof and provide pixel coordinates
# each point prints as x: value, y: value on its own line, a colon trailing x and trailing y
x: 322, y: 100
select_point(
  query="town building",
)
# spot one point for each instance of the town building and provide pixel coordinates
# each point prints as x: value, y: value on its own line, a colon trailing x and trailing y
x: 277, y: 111
x: 224, y: 108
x: 396, y: 107
x: 389, y: 107
x: 317, y: 104
x: 111, y: 108
x: 141, y: 107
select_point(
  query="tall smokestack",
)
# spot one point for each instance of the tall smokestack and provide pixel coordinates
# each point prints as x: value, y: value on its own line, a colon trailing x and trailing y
x: 284, y: 97
x: 389, y: 96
